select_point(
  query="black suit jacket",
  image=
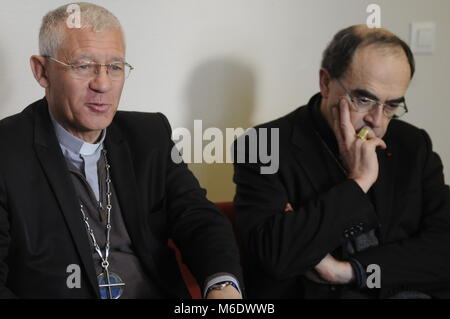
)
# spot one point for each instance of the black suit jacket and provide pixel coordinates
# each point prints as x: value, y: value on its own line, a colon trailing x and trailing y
x: 409, y: 208
x: 41, y: 227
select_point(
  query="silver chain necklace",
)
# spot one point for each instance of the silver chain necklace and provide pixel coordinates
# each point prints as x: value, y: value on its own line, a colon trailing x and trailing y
x: 110, y: 284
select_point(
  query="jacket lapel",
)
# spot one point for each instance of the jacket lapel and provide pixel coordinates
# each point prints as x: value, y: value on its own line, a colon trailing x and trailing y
x: 124, y: 179
x: 53, y: 163
x: 309, y: 152
x: 383, y: 189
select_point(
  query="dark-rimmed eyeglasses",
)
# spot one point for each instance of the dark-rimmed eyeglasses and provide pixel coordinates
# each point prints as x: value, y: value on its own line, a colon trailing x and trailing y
x: 364, y: 105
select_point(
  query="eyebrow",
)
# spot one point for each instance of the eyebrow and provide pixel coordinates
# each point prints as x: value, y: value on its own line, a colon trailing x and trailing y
x: 365, y: 93
x: 91, y: 57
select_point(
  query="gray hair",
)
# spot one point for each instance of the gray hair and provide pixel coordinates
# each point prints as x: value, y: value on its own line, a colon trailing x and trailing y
x: 53, y: 28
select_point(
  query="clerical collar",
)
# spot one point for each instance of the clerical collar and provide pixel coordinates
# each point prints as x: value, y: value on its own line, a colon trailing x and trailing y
x: 73, y: 143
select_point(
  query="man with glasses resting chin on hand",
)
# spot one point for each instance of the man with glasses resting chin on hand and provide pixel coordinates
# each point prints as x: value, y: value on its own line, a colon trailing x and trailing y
x: 90, y: 196
x: 359, y: 193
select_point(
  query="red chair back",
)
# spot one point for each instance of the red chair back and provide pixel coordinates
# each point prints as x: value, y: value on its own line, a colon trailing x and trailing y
x: 194, y: 289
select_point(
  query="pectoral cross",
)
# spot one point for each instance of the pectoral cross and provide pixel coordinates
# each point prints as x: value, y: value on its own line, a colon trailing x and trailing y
x: 111, y: 286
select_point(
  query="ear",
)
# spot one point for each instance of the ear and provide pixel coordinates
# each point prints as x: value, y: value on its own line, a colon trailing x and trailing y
x: 38, y: 66
x: 325, y: 79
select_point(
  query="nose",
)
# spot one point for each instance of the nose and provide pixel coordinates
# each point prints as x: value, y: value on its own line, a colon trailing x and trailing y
x: 101, y: 82
x: 375, y: 117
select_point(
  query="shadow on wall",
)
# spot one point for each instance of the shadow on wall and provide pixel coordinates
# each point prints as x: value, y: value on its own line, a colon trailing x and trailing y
x: 220, y: 92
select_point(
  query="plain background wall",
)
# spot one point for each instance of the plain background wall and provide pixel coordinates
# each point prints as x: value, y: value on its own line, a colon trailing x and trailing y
x: 233, y: 63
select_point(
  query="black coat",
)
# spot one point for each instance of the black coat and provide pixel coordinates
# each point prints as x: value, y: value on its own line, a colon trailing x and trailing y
x: 41, y: 227
x: 408, y: 206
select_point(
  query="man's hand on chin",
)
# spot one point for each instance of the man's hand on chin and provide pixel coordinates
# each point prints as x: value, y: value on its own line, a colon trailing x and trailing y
x: 332, y: 271
x: 229, y: 292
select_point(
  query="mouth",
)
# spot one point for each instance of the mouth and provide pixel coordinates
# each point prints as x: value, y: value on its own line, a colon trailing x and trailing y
x: 98, y: 107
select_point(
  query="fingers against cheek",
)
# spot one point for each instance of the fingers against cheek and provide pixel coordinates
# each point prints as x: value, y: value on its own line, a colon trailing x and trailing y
x: 344, y: 109
x: 336, y: 125
x: 346, y: 126
x: 334, y: 114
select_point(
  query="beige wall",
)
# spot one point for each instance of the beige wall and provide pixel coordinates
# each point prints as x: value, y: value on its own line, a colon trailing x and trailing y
x: 233, y: 62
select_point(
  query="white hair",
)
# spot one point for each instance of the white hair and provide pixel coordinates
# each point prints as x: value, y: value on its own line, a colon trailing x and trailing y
x: 54, y: 26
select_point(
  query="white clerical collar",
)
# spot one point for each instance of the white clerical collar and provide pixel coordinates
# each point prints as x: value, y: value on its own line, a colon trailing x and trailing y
x: 73, y: 143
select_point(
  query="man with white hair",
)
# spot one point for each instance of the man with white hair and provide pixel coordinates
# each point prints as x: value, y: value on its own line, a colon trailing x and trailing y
x: 89, y: 196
